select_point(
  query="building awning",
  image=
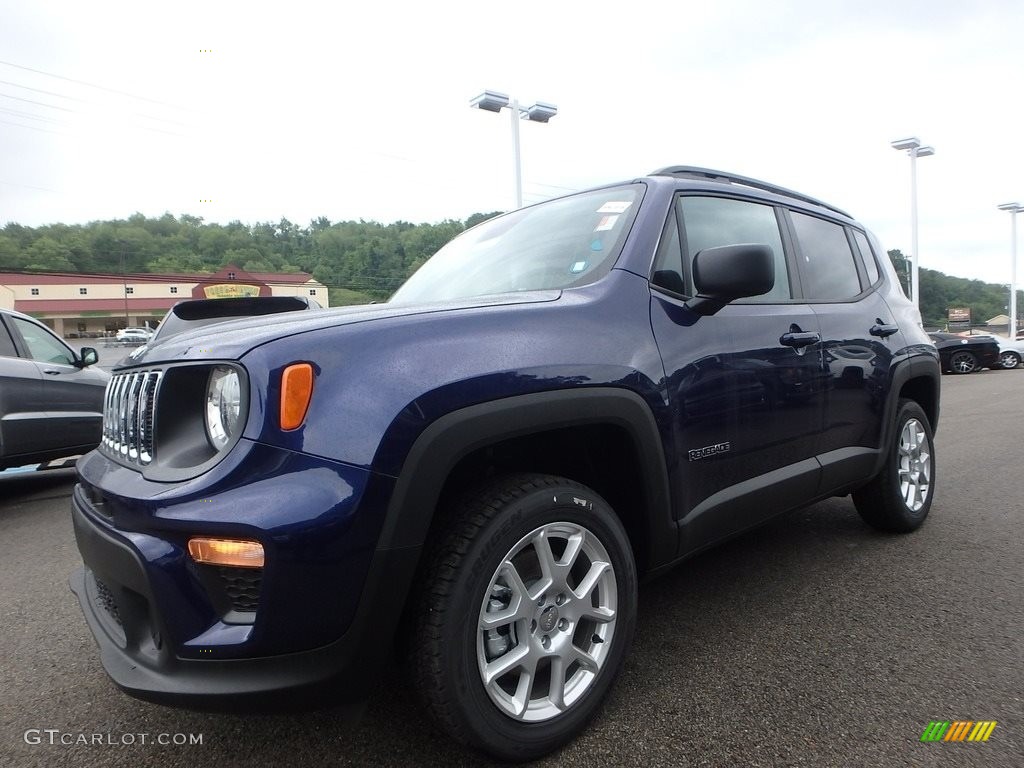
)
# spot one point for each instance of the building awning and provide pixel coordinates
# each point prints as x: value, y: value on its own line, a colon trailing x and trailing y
x: 89, y: 306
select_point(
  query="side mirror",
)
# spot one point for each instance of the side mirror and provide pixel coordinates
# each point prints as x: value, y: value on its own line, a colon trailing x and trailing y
x: 89, y: 356
x: 730, y: 272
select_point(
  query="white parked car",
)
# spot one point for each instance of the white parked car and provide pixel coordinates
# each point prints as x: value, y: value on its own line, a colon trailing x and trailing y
x: 134, y: 335
x: 1011, y: 353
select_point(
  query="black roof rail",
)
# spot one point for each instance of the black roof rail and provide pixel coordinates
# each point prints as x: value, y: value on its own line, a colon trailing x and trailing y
x: 712, y: 175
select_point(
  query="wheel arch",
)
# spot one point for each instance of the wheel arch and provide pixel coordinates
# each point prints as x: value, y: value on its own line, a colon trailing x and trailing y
x: 917, y: 379
x: 453, y: 445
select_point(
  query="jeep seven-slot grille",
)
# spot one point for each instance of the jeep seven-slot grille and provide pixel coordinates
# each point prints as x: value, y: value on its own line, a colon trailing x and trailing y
x: 128, y: 408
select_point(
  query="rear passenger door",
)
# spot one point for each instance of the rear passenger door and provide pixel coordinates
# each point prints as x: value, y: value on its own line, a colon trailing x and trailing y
x: 744, y: 384
x: 839, y: 277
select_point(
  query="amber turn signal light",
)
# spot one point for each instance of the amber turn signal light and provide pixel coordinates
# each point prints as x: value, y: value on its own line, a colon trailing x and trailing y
x: 233, y: 552
x: 296, y: 390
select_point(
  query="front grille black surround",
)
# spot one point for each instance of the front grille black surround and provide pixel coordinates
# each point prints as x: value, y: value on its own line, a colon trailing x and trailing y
x: 154, y: 420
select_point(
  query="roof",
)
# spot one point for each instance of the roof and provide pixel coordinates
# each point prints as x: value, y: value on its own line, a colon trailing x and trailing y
x: 64, y: 278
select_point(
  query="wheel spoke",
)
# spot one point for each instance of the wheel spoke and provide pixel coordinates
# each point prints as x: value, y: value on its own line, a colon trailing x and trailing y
x: 587, y: 584
x: 573, y: 547
x: 556, y: 688
x: 507, y: 662
x: 546, y: 560
x: 524, y: 688
x: 584, y: 659
x: 600, y: 615
x: 517, y: 604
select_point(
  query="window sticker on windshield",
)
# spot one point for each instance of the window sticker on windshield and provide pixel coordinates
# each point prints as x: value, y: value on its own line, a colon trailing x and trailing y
x: 606, y: 223
x: 578, y: 267
x: 615, y: 206
x: 597, y: 245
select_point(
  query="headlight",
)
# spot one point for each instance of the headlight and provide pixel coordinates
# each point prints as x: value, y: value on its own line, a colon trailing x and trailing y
x: 223, y: 405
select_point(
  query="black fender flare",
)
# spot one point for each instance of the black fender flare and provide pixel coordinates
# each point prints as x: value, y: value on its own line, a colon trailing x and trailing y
x: 452, y: 437
x: 917, y: 367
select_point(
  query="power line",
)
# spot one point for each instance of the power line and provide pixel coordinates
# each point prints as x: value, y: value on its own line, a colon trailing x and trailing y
x: 27, y: 186
x: 34, y: 128
x: 40, y: 103
x: 30, y: 116
x: 87, y: 102
x: 94, y: 85
x: 79, y: 112
x: 40, y: 90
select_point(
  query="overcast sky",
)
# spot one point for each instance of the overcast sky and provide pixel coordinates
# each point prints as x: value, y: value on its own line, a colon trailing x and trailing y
x: 304, y: 109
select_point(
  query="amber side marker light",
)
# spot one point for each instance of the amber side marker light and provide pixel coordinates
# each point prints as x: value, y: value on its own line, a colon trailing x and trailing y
x: 233, y: 552
x: 296, y: 390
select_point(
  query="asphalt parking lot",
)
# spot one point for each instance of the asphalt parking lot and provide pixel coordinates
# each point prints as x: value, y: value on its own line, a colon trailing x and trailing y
x: 813, y: 641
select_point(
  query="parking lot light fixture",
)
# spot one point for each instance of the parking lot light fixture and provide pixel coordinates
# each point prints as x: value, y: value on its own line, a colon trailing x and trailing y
x: 1014, y: 209
x: 913, y: 147
x: 540, y: 112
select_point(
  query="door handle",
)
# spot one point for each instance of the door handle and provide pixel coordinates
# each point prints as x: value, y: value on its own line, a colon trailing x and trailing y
x: 799, y: 339
x: 883, y: 330
x: 51, y: 372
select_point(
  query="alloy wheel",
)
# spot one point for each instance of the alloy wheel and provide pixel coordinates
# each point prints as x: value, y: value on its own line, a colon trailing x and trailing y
x: 546, y: 622
x: 915, y: 465
x: 963, y: 362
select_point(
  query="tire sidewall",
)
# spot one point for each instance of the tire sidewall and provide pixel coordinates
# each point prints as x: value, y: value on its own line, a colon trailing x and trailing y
x: 484, y: 724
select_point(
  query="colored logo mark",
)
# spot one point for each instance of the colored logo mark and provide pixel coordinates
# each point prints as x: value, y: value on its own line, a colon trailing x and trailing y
x: 958, y: 730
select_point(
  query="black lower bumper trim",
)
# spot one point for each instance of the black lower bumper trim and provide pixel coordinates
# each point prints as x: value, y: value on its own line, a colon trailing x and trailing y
x: 343, y: 672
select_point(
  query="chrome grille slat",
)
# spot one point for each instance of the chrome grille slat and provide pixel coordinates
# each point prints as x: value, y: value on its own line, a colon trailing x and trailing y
x: 129, y: 415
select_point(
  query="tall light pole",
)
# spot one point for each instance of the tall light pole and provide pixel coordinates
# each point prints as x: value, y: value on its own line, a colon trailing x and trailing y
x: 913, y: 147
x: 1014, y: 209
x: 540, y: 112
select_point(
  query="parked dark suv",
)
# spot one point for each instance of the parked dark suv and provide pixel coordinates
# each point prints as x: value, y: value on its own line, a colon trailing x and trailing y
x: 50, y: 396
x: 562, y: 400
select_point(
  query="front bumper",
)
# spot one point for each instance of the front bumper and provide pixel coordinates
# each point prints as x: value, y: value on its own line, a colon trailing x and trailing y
x: 162, y: 639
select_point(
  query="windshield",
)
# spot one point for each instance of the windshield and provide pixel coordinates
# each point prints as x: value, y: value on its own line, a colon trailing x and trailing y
x: 558, y: 244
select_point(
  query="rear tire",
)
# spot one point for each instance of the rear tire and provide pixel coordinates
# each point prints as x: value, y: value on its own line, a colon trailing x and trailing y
x: 526, y: 609
x: 1009, y: 360
x: 899, y: 497
x: 963, y: 362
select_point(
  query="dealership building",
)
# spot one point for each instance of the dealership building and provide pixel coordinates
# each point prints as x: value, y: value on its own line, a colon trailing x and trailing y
x: 90, y: 305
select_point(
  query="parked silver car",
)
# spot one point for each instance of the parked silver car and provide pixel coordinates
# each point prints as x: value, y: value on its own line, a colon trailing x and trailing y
x: 51, y: 400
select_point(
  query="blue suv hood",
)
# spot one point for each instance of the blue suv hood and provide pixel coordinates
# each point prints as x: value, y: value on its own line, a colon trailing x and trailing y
x: 233, y: 338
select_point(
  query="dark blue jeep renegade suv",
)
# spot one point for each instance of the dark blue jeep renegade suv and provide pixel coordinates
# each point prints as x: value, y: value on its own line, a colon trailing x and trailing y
x: 562, y: 400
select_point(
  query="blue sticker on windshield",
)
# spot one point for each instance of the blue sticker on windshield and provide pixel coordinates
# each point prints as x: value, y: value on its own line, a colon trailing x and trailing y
x: 596, y: 245
x: 578, y: 267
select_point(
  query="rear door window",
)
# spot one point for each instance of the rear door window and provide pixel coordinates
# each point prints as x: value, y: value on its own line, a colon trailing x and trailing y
x: 826, y: 262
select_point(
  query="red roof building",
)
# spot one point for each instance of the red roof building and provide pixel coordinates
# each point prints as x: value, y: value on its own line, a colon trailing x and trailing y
x: 96, y: 305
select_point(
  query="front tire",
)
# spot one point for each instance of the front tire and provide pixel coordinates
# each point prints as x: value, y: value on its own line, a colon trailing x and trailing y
x: 526, y: 611
x: 899, y: 497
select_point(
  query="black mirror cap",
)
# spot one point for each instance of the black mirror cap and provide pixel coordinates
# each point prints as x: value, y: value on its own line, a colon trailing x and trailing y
x: 89, y: 356
x: 731, y: 272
